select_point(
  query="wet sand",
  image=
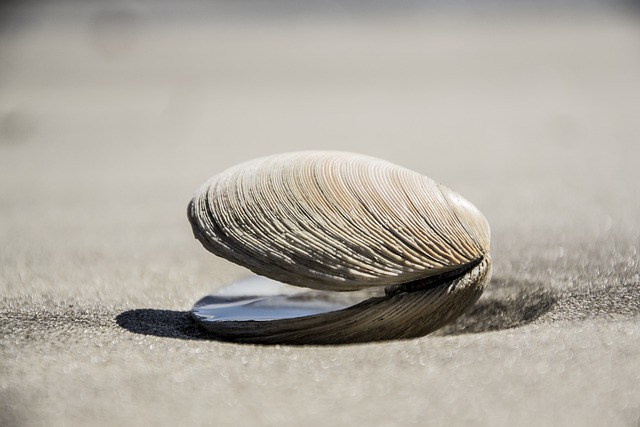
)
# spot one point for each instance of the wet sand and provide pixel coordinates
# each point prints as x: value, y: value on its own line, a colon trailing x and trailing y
x: 110, y: 119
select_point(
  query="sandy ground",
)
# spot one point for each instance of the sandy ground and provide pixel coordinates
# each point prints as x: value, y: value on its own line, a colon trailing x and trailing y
x: 111, y: 116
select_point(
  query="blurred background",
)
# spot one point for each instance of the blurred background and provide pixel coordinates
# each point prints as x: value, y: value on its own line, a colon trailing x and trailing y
x: 113, y: 112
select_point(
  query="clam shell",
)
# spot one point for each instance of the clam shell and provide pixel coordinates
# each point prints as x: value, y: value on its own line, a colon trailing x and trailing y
x: 343, y: 222
x: 333, y: 220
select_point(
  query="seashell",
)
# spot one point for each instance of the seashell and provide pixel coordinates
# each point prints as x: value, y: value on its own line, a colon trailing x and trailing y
x: 385, y: 252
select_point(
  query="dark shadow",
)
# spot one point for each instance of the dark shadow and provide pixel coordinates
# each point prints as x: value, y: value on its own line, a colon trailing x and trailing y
x: 505, y: 304
x: 162, y: 323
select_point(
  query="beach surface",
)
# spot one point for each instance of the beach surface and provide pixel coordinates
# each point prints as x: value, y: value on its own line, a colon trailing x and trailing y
x: 111, y: 115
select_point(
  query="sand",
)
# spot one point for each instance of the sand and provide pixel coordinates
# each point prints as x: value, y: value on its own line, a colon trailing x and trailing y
x: 111, y: 116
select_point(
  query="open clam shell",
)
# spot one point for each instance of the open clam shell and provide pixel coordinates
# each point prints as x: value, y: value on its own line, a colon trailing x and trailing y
x: 411, y: 253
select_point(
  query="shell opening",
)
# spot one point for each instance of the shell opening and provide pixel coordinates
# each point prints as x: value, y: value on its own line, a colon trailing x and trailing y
x: 432, y: 281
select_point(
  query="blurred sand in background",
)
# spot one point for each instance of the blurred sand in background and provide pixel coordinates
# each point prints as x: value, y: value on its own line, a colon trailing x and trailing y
x: 113, y: 113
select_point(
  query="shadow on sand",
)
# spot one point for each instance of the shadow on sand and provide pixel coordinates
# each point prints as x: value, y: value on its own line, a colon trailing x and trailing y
x: 162, y: 323
x: 505, y: 304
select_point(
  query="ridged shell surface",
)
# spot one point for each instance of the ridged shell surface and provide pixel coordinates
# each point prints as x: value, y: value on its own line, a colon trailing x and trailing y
x: 336, y: 221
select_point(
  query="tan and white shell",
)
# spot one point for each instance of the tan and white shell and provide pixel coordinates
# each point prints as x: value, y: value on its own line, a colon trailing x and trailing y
x: 342, y: 221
